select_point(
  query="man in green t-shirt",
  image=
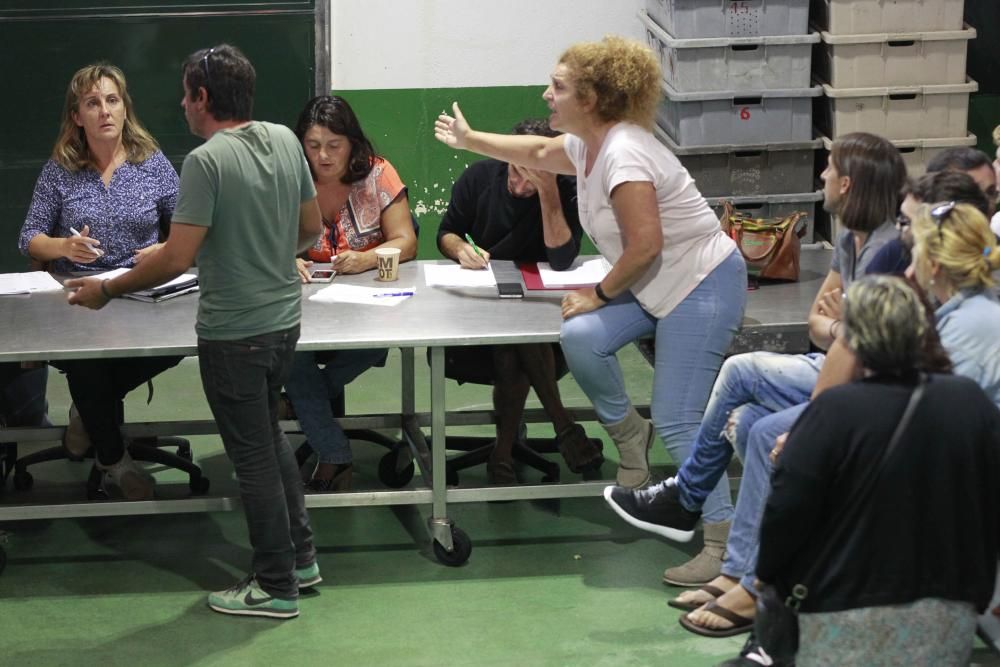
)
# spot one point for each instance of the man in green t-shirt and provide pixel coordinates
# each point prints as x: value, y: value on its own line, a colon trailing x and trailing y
x: 246, y: 207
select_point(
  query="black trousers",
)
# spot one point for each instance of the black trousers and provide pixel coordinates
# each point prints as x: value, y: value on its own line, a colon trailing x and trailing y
x: 98, y: 388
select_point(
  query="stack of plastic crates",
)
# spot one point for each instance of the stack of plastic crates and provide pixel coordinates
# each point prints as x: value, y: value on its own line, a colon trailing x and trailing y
x: 738, y: 100
x: 895, y: 68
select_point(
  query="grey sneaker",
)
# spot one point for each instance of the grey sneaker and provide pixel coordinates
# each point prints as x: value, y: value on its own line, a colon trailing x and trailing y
x: 247, y: 598
x: 308, y: 576
x: 126, y: 479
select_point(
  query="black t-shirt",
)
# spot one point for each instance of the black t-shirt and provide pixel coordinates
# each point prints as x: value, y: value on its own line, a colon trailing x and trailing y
x: 508, y: 227
x: 929, y: 527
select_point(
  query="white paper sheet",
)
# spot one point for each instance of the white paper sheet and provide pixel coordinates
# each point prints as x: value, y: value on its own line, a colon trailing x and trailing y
x: 453, y: 275
x: 590, y: 272
x: 25, y: 283
x: 371, y: 296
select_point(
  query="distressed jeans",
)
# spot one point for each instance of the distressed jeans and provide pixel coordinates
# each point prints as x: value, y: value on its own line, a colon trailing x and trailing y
x: 744, y: 535
x: 756, y: 383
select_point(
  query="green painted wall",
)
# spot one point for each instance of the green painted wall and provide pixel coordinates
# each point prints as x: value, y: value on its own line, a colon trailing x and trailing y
x: 401, y: 125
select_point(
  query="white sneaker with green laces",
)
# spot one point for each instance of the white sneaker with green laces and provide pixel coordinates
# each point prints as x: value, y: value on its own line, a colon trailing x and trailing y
x: 247, y: 598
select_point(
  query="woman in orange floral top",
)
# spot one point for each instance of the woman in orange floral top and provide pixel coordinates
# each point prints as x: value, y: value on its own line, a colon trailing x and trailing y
x: 364, y: 206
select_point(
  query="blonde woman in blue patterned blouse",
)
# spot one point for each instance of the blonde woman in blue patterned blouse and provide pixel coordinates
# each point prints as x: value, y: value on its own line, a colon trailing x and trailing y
x: 103, y: 201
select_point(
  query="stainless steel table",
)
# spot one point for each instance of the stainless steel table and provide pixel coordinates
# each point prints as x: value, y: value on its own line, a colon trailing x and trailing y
x: 43, y: 327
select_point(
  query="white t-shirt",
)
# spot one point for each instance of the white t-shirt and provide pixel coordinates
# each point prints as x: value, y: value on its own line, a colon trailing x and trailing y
x: 693, y: 241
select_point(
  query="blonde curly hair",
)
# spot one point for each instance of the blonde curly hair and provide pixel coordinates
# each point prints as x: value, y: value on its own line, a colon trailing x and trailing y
x: 623, y: 74
x: 961, y: 242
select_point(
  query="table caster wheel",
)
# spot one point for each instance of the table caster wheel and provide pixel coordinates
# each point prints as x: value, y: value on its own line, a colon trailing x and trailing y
x: 461, y: 549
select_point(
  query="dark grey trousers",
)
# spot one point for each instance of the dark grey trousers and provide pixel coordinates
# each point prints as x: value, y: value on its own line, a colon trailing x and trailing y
x: 242, y: 381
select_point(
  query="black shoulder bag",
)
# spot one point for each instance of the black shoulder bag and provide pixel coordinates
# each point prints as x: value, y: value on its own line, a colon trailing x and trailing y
x: 776, y: 623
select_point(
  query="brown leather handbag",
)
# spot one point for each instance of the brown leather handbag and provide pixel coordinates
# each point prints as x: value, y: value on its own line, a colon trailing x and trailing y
x: 770, y: 247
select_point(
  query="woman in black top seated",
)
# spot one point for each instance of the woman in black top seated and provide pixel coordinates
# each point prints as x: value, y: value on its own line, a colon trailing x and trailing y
x: 904, y: 583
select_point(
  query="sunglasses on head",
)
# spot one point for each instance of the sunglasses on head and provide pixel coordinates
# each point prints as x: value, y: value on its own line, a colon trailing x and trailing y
x: 939, y: 214
x: 204, y: 65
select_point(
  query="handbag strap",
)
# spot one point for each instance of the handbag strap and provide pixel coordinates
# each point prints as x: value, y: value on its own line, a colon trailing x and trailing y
x: 800, y: 591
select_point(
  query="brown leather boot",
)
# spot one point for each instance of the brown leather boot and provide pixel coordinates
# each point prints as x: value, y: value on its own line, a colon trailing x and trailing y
x: 707, y: 565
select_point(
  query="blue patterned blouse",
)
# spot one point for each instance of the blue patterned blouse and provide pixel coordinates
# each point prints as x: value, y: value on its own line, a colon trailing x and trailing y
x: 124, y: 217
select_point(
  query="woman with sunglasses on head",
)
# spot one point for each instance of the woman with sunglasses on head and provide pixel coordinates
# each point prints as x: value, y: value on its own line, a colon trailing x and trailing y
x: 954, y: 256
x: 364, y: 207
x: 103, y: 201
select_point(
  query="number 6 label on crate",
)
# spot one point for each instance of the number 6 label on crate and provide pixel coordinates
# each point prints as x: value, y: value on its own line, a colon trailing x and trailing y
x: 745, y: 113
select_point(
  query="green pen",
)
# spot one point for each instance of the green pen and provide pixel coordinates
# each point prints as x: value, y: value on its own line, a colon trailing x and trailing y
x: 475, y: 247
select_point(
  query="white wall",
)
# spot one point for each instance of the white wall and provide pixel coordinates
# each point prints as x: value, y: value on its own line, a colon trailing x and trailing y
x: 378, y: 44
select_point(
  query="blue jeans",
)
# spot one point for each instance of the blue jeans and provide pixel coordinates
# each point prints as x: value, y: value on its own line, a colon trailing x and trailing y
x: 744, y: 535
x: 691, y: 342
x: 758, y: 383
x: 313, y: 389
x: 242, y: 381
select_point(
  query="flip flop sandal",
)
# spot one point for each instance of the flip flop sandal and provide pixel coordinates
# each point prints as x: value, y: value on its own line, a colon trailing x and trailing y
x: 740, y: 625
x: 714, y: 591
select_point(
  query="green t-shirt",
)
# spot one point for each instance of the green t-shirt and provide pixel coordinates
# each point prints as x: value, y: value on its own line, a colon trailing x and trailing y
x: 246, y: 186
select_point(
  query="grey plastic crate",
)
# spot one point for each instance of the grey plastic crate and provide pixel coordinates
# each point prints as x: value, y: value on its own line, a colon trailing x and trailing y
x: 738, y: 63
x: 775, y: 206
x: 730, y: 18
x: 732, y: 171
x: 738, y: 118
x: 898, y: 112
x: 858, y: 17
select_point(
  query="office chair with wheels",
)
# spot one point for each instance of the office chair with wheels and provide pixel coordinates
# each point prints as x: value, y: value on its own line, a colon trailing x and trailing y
x: 150, y: 450
x: 526, y: 451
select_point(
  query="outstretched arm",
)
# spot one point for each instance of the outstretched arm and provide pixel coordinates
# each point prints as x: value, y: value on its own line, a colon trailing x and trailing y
x: 545, y: 153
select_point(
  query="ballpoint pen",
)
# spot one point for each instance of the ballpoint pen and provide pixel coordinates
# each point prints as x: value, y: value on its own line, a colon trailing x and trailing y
x: 96, y: 251
x: 475, y: 248
x: 394, y: 294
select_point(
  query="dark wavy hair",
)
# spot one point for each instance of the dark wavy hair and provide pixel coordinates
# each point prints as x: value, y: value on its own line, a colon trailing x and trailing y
x: 335, y: 114
x: 878, y: 176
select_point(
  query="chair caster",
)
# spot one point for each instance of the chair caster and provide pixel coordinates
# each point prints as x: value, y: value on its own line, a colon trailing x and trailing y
x: 390, y: 475
x: 23, y: 480
x: 199, y: 485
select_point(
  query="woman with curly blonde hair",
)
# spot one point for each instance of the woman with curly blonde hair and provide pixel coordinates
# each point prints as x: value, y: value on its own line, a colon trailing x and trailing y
x: 675, y: 275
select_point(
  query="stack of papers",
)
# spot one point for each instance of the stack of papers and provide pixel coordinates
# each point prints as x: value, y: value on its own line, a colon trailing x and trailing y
x: 24, y: 283
x: 371, y: 296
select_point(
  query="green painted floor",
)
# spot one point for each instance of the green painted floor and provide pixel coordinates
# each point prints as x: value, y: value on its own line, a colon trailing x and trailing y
x: 548, y: 583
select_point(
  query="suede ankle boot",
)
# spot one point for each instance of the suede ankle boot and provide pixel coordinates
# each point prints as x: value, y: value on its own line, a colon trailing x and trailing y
x: 633, y: 436
x: 707, y: 565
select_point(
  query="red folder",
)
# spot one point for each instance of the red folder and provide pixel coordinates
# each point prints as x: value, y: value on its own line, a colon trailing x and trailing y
x: 533, y: 281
